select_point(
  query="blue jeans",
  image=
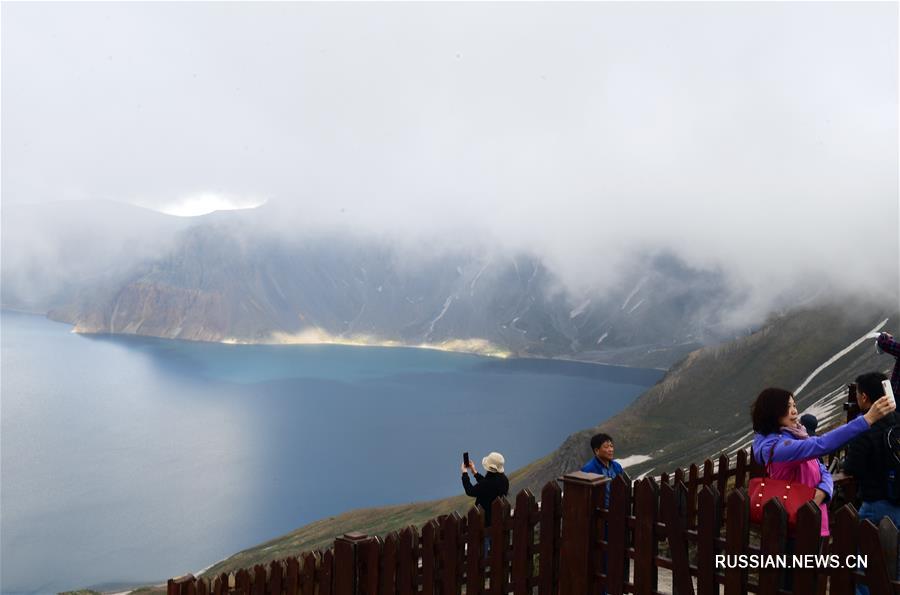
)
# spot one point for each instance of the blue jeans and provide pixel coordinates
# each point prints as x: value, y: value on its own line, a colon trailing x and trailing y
x: 875, y: 511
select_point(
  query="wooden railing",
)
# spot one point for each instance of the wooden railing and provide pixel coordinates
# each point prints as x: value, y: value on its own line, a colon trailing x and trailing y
x: 569, y: 543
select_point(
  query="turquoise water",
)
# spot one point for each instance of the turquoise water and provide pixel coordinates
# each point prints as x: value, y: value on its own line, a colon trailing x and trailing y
x: 128, y: 460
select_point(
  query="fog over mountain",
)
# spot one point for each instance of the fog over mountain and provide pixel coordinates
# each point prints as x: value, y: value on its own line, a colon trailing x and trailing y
x: 744, y: 155
x: 226, y: 277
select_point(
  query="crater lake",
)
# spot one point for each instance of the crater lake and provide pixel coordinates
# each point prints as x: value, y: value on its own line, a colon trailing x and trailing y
x: 127, y: 460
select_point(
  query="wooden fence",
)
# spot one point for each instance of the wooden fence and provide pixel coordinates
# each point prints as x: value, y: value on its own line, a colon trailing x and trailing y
x: 571, y: 544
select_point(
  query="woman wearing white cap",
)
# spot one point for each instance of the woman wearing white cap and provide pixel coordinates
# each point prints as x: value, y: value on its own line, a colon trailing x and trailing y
x: 488, y: 487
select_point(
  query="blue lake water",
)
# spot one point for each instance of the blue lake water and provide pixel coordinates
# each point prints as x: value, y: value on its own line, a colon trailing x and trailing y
x: 128, y: 460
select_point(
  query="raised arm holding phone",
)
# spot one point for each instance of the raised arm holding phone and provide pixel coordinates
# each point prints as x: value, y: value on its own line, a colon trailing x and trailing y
x: 487, y: 487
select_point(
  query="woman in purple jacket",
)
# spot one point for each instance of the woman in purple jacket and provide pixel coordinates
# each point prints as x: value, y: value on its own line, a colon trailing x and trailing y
x: 789, y: 453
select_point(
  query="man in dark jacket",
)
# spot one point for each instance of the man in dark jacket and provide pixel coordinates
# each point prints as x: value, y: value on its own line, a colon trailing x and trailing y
x: 487, y: 488
x: 867, y: 460
x: 867, y: 456
x: 887, y: 344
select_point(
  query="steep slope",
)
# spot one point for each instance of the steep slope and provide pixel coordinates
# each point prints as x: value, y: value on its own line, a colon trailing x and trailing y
x: 699, y: 409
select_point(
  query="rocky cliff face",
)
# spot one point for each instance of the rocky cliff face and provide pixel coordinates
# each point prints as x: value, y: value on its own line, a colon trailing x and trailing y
x: 222, y: 283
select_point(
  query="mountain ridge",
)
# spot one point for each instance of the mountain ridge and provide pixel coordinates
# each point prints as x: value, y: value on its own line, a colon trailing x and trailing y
x: 228, y: 277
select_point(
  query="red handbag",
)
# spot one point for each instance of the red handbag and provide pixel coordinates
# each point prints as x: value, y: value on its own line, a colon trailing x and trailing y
x: 792, y: 495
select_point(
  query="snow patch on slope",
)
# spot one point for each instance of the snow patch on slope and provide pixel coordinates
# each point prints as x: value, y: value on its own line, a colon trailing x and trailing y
x: 580, y: 309
x: 447, y: 303
x: 634, y: 291
x: 838, y: 356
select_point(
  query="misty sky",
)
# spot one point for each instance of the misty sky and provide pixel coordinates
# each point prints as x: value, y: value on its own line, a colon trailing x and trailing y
x: 761, y: 137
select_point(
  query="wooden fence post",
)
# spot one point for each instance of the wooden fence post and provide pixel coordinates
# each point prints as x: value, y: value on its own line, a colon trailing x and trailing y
x: 345, y: 563
x: 276, y: 577
x: 173, y: 586
x: 390, y: 557
x: 708, y: 524
x: 523, y: 542
x: 325, y: 575
x: 451, y: 545
x: 311, y: 565
x: 430, y: 535
x: 368, y: 565
x: 845, y: 541
x: 220, y: 585
x: 582, y: 495
x: 617, y: 539
x: 672, y: 510
x: 721, y: 482
x: 887, y: 532
x: 646, y: 547
x: 693, y: 485
x: 722, y: 477
x: 223, y: 583
x: 475, y: 552
x: 408, y: 565
x: 292, y: 576
x: 708, y: 473
x: 809, y: 529
x: 740, y: 471
x: 551, y: 502
x: 876, y: 570
x: 771, y: 543
x: 499, y: 545
x: 242, y: 581
x: 737, y: 537
x: 259, y: 580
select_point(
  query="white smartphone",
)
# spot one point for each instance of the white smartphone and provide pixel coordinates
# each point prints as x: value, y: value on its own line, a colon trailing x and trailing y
x: 888, y: 390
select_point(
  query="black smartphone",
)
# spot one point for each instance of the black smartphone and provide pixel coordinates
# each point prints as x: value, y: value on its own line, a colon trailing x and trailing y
x: 466, y: 459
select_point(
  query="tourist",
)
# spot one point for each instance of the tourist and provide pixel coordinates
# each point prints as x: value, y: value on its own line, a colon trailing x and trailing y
x: 868, y: 460
x: 488, y: 487
x: 602, y: 462
x: 867, y: 457
x: 790, y: 453
x: 810, y: 422
x: 887, y: 344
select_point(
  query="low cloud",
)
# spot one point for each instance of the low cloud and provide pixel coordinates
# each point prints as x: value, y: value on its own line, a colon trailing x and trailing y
x: 755, y: 138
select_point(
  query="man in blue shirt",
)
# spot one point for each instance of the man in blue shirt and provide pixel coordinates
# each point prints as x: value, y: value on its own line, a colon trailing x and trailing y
x: 603, y: 463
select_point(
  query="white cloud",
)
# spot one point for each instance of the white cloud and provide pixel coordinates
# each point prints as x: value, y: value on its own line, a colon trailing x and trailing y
x: 757, y: 137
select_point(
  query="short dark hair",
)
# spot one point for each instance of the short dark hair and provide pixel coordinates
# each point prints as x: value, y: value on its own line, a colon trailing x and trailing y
x: 871, y: 384
x: 597, y: 440
x: 770, y: 406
